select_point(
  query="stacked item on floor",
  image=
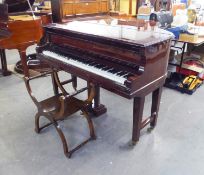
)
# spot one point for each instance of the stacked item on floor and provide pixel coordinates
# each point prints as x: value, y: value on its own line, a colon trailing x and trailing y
x: 188, y: 78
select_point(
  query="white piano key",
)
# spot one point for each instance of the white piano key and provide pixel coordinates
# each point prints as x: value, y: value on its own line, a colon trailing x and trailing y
x: 81, y: 65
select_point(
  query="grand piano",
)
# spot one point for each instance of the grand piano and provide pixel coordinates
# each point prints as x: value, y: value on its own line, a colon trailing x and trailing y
x: 25, y: 29
x: 126, y: 57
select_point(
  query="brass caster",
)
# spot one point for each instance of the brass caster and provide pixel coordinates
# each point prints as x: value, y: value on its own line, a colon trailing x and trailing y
x: 68, y: 155
x: 37, y: 130
x: 93, y: 137
x: 133, y: 143
x: 150, y: 129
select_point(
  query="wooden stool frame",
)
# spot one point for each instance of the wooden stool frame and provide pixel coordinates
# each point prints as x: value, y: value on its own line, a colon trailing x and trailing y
x: 62, y: 110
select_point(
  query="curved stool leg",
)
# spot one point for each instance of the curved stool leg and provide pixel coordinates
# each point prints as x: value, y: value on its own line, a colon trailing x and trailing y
x: 37, y: 125
x: 90, y: 123
x: 63, y: 139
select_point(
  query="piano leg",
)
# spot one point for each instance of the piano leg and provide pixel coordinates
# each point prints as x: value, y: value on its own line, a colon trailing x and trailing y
x: 138, y: 106
x: 22, y: 53
x: 156, y: 97
x: 5, y: 71
x: 97, y: 109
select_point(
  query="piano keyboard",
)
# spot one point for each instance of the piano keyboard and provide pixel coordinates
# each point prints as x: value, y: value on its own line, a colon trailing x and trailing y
x: 109, y: 73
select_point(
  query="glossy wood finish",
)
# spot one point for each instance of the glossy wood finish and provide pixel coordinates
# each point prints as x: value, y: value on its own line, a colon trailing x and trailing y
x: 25, y: 31
x: 3, y: 12
x: 60, y: 107
x: 63, y: 8
x: 24, y: 34
x: 146, y: 57
x: 4, y: 32
x: 138, y: 106
x: 97, y: 108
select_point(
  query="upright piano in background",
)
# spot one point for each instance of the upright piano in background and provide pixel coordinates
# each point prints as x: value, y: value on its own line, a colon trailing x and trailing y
x: 70, y: 8
x: 25, y: 30
x: 124, y: 57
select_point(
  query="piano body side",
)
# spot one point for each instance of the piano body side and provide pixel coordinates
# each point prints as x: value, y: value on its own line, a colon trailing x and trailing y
x: 24, y: 29
x: 4, y: 32
x: 23, y: 34
x: 153, y: 59
x: 155, y: 70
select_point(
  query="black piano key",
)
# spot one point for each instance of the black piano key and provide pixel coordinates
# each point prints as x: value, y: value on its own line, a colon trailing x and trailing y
x: 86, y: 61
x: 92, y: 63
x: 122, y: 73
x: 110, y: 70
x: 102, y: 66
x: 128, y: 75
x: 99, y: 66
x: 118, y: 72
x: 115, y: 71
x: 106, y: 68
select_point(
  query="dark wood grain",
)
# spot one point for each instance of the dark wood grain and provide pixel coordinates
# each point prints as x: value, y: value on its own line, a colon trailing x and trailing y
x: 60, y: 107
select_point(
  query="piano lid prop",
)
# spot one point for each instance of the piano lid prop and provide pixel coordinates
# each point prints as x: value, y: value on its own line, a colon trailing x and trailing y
x: 31, y: 9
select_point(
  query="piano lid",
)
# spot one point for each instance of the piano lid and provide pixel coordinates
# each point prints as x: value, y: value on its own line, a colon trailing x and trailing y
x: 113, y: 29
x: 18, y: 5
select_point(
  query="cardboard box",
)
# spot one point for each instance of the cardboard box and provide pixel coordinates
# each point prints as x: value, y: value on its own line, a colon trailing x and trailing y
x: 188, y: 37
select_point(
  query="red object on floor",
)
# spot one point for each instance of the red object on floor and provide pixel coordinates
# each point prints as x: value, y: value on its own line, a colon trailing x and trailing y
x: 187, y: 72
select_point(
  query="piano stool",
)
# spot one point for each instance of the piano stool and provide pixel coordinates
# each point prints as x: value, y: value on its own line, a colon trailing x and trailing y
x: 60, y: 107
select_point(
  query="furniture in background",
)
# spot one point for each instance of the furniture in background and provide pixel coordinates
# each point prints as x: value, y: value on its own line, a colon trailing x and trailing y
x: 186, y: 44
x: 25, y: 29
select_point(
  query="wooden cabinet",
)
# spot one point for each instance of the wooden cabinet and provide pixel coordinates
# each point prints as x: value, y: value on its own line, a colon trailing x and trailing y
x: 73, y: 7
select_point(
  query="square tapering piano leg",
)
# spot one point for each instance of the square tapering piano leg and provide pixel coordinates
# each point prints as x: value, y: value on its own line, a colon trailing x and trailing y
x: 156, y: 97
x: 138, y: 106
